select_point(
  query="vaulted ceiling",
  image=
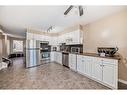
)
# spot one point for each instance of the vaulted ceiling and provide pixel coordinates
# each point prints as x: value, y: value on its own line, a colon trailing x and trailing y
x: 16, y: 19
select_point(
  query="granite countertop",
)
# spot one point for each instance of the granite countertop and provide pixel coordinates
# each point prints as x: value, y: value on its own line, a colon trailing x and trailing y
x: 94, y: 55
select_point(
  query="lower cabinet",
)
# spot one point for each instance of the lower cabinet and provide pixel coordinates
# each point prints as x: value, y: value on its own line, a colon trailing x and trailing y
x: 56, y: 56
x: 97, y: 69
x: 52, y: 56
x: 87, y: 61
x: 100, y: 69
x: 80, y: 64
x: 73, y: 61
x: 110, y: 73
x: 59, y: 57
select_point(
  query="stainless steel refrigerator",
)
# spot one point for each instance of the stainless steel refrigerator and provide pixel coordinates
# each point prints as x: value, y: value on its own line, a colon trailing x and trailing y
x: 32, y: 53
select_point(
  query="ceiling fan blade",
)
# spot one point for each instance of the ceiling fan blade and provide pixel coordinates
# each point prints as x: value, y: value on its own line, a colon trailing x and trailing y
x: 80, y: 10
x: 68, y: 10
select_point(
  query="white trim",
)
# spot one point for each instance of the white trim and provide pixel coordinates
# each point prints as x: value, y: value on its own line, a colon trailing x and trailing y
x: 122, y: 81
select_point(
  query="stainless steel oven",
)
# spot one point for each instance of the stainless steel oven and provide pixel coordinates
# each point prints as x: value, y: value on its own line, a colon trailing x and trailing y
x: 45, y: 55
x: 45, y: 50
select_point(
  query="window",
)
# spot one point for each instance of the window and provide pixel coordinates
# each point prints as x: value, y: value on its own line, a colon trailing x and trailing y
x: 17, y: 46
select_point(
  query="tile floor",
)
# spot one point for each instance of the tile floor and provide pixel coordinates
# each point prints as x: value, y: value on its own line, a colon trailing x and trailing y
x: 46, y: 76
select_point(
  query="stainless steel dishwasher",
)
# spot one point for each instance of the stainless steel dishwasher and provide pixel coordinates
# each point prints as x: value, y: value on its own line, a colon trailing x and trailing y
x: 65, y: 59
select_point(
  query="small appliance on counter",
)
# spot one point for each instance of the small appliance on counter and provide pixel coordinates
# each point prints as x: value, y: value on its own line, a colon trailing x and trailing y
x: 54, y: 48
x: 75, y: 50
x: 107, y: 51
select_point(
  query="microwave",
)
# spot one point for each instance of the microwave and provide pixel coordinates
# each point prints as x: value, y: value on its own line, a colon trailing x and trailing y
x: 75, y: 50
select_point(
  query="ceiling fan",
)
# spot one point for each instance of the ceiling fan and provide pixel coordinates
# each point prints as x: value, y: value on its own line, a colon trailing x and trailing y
x: 80, y: 8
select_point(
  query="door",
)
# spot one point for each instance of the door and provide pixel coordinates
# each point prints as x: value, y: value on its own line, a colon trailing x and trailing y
x: 80, y: 64
x: 55, y: 56
x: 72, y: 61
x: 97, y: 74
x: 52, y: 56
x: 88, y: 65
x: 110, y: 74
x: 59, y: 57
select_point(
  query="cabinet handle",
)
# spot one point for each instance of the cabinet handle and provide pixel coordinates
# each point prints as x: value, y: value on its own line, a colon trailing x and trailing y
x: 102, y: 65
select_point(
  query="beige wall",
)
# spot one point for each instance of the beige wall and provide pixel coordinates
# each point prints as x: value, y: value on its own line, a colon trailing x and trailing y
x: 0, y: 47
x: 110, y: 31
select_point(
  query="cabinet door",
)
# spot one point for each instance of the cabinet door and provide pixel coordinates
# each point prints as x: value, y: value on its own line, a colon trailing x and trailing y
x: 88, y: 65
x: 110, y: 74
x: 52, y: 56
x: 29, y: 36
x: 55, y: 56
x: 72, y: 61
x: 80, y: 62
x: 97, y: 73
x: 59, y: 56
x: 53, y: 41
x: 62, y: 38
x: 76, y: 37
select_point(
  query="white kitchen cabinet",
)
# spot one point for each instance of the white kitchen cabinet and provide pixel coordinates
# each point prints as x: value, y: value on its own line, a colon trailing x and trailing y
x: 46, y: 38
x: 53, y: 41
x: 38, y: 37
x: 69, y: 38
x: 80, y: 64
x: 110, y: 73
x: 61, y: 39
x: 97, y: 69
x: 76, y: 37
x: 55, y: 56
x: 101, y: 69
x: 52, y: 56
x: 29, y: 36
x: 58, y: 57
x: 73, y: 61
x: 73, y: 37
x: 88, y: 62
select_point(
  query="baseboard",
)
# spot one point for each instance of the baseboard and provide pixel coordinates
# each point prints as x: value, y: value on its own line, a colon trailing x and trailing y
x: 123, y: 81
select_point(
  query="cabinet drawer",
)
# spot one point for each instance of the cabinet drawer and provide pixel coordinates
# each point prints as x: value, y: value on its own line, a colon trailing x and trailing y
x: 109, y: 62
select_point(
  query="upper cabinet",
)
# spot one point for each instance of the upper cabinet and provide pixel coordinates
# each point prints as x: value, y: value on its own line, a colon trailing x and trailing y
x: 70, y: 38
x: 74, y: 37
x: 29, y: 36
x: 53, y: 41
